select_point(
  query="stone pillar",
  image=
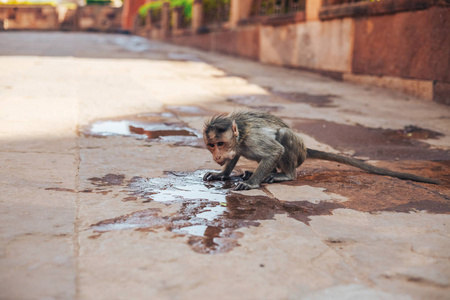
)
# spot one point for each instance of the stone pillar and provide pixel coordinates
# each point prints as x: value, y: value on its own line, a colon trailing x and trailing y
x: 177, y: 18
x: 239, y: 10
x: 136, y: 24
x: 129, y: 12
x: 165, y: 19
x: 312, y: 9
x: 148, y: 20
x: 148, y: 24
x: 197, y: 15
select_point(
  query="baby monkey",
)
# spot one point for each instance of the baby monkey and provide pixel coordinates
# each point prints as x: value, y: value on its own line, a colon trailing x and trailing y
x: 266, y: 139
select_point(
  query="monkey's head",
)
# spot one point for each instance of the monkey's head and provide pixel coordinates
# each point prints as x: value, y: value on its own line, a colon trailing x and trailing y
x: 220, y: 134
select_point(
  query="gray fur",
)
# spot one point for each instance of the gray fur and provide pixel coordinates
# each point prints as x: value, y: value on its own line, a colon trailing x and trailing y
x: 267, y: 140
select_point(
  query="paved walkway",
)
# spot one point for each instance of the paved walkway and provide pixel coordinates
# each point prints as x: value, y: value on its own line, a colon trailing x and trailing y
x: 101, y: 194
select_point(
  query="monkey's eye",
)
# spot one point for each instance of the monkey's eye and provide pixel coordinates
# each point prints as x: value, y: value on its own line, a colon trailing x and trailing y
x: 220, y: 144
x: 211, y: 145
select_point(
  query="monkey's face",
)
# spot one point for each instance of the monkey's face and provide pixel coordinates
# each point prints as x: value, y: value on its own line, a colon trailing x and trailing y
x: 222, y: 146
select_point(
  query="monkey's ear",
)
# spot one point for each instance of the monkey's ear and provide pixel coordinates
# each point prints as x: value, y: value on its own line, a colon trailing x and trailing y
x: 235, y: 129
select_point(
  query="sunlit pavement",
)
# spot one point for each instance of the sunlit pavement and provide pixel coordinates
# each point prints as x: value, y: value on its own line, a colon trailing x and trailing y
x: 101, y: 191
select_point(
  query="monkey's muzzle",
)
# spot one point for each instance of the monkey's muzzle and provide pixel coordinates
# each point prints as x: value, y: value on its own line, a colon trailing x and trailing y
x: 221, y: 163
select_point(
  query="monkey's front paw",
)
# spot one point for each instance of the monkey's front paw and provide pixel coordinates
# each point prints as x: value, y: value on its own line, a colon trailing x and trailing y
x: 245, y: 186
x: 246, y: 175
x: 210, y: 176
x: 269, y: 179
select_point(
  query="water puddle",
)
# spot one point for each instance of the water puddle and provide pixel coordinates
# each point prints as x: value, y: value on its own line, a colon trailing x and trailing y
x: 312, y: 100
x: 375, y: 193
x: 264, y: 102
x: 108, y: 180
x: 139, y: 130
x: 161, y: 127
x: 413, y: 132
x: 188, y: 110
x: 375, y: 143
x: 179, y: 186
x: 59, y: 189
x: 183, y: 57
x: 257, y: 102
x: 210, y: 214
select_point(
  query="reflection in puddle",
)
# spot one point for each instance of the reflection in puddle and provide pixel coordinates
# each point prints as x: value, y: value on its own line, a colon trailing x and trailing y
x: 209, y: 213
x: 414, y: 132
x: 183, y: 57
x: 180, y: 187
x: 198, y: 230
x: 140, y: 219
x: 139, y: 130
x: 163, y: 127
x: 188, y: 110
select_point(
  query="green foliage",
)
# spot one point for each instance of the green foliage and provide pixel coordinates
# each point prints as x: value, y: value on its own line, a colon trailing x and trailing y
x: 214, y: 4
x: 28, y: 2
x: 98, y: 2
x: 156, y: 7
x: 147, y: 6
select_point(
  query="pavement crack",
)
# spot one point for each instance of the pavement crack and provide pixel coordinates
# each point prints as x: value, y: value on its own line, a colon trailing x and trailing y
x: 266, y: 190
x: 415, y: 279
x: 37, y: 152
x: 76, y: 237
x: 428, y: 190
x: 428, y: 255
x: 352, y: 267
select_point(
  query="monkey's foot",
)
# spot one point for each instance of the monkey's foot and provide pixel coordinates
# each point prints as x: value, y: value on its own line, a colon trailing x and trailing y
x: 210, y: 176
x: 248, y: 174
x: 246, y: 186
x: 277, y: 177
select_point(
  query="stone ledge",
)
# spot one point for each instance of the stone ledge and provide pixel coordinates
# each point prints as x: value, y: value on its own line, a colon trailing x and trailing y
x: 361, y: 9
x: 277, y: 20
x: 441, y: 92
x: 336, y: 75
x: 419, y: 88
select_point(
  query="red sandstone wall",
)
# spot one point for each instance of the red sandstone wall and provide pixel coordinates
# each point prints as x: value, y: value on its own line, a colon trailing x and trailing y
x: 248, y: 42
x: 403, y: 45
x: 200, y: 41
x: 244, y: 41
x: 418, y: 46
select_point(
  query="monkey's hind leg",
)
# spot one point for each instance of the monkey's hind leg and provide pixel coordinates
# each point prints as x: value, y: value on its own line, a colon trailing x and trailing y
x: 294, y: 154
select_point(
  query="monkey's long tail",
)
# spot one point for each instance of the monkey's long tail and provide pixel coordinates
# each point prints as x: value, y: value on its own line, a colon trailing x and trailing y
x: 316, y: 154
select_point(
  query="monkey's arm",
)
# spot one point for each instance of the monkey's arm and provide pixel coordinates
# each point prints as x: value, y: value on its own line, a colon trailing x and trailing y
x: 266, y: 165
x: 225, y: 174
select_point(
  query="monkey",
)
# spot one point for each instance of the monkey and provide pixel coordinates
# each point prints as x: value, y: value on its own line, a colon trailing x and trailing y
x: 266, y: 139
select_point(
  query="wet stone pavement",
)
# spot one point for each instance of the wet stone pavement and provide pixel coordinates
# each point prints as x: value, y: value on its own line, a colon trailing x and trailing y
x: 102, y: 194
